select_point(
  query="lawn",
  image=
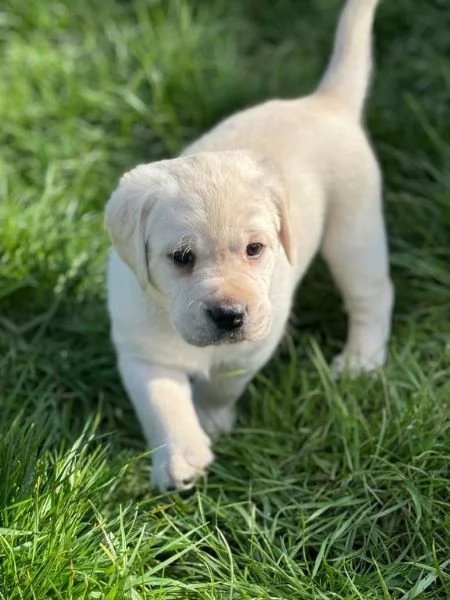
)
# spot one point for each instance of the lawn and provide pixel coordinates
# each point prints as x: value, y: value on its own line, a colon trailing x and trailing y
x: 326, y: 489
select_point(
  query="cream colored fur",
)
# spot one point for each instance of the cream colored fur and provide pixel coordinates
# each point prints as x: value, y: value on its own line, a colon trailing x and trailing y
x: 290, y: 176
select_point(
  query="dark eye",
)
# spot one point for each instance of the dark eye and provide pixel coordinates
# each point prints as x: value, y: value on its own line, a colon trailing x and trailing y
x: 183, y: 258
x: 254, y: 250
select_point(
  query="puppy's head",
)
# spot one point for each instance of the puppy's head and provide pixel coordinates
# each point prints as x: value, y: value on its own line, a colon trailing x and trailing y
x: 206, y: 231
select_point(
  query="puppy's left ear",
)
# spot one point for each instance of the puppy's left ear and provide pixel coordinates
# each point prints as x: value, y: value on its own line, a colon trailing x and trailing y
x: 126, y: 216
x: 277, y: 187
x: 284, y: 232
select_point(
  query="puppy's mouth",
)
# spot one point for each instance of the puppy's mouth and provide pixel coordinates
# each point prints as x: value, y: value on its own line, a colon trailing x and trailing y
x: 219, y: 338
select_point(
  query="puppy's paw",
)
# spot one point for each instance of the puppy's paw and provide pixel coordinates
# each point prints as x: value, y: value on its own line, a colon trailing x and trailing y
x: 355, y: 364
x: 178, y: 468
x: 215, y: 421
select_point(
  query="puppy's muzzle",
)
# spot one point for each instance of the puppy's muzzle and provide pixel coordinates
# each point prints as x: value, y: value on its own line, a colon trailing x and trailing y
x: 226, y: 317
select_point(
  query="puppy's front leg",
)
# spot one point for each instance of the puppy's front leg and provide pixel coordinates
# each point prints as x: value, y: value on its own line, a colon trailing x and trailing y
x: 162, y: 400
x: 215, y: 401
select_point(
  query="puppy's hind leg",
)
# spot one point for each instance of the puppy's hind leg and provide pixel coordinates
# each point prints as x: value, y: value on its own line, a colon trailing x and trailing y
x: 355, y: 248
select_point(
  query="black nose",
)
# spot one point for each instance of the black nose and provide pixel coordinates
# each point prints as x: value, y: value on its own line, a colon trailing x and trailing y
x: 227, y: 316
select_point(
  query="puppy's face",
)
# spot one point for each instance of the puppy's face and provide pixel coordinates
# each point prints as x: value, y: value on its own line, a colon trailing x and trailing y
x: 205, y: 231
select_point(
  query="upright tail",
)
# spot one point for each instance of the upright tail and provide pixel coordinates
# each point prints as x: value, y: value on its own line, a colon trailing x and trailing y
x: 348, y: 73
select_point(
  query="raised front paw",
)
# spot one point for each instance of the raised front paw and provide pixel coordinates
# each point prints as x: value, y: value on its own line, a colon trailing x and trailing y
x: 177, y: 468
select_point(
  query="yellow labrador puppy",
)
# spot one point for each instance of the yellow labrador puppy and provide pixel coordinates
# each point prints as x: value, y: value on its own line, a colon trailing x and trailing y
x: 209, y: 248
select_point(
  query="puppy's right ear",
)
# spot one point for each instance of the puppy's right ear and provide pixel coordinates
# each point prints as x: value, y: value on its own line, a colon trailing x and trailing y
x: 126, y: 216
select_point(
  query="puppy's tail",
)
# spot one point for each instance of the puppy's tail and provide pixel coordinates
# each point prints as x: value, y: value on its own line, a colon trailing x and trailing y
x: 348, y: 74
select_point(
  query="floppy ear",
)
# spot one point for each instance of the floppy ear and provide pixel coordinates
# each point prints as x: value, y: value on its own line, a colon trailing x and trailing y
x: 277, y: 187
x: 126, y: 215
x: 285, y: 229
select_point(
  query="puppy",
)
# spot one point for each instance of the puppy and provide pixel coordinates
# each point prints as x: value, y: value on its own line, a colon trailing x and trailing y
x: 209, y: 248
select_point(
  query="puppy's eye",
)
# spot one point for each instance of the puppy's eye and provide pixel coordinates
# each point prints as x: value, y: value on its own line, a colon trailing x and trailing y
x: 254, y: 250
x: 183, y: 258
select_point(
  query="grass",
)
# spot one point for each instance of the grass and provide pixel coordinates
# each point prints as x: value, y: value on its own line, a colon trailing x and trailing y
x: 326, y: 490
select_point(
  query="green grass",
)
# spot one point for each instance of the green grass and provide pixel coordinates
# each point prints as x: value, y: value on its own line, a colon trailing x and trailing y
x: 326, y: 490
